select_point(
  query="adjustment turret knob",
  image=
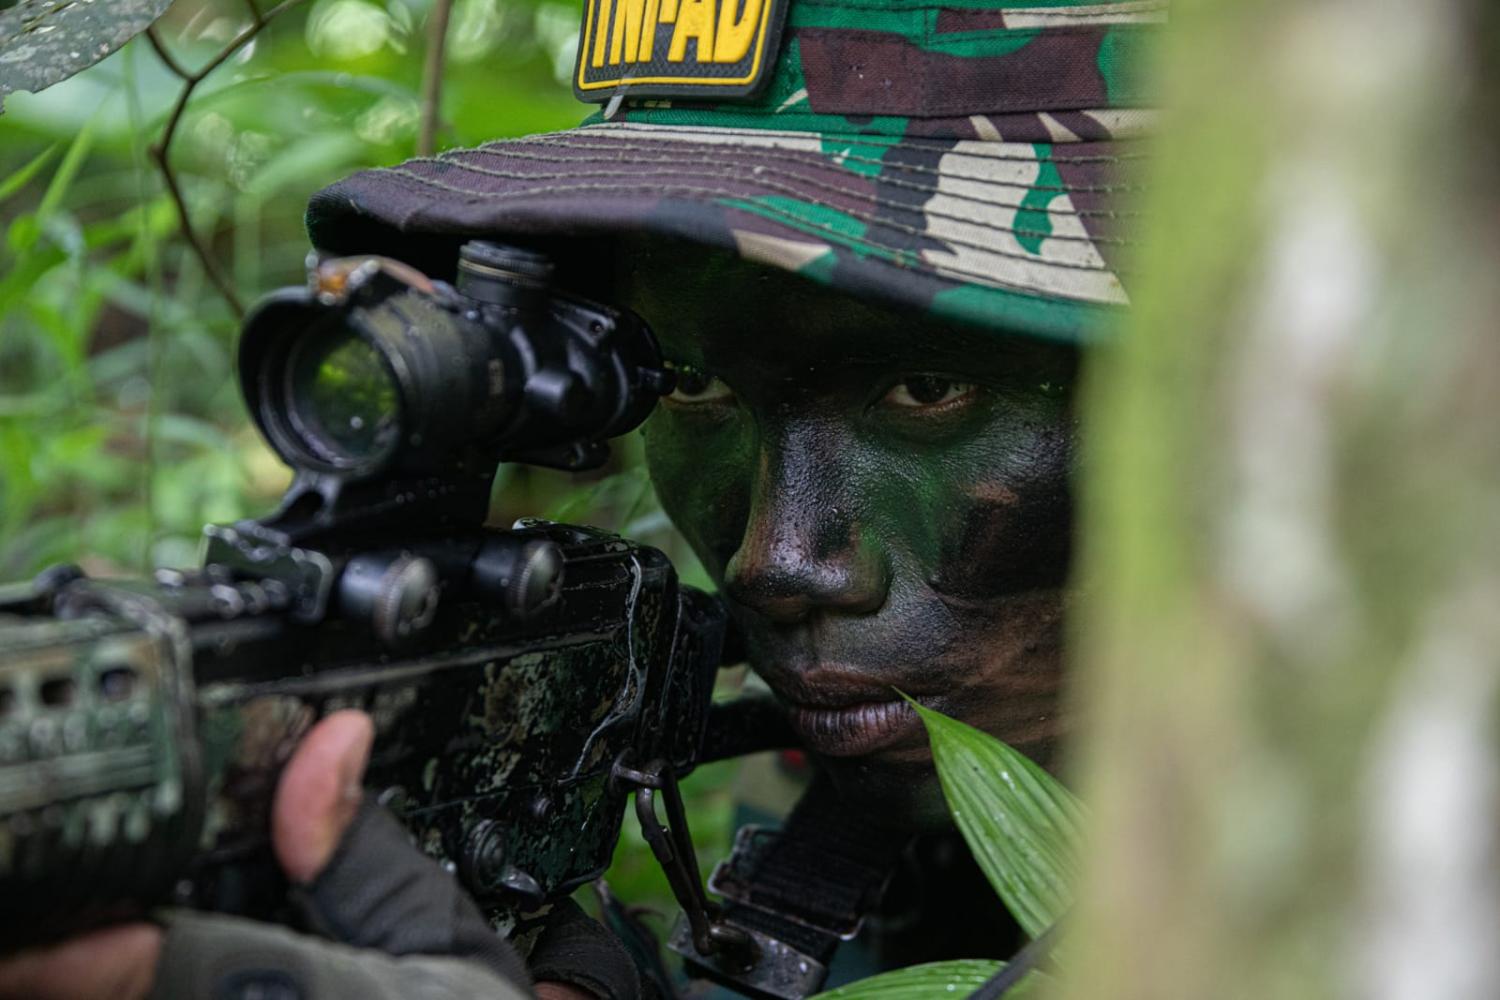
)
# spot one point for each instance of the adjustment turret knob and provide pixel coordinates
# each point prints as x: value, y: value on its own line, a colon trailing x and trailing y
x: 525, y: 574
x: 397, y: 595
x: 483, y: 861
x: 502, y: 274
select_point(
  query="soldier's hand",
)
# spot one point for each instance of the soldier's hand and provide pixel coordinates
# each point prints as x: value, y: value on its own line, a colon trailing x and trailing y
x: 116, y: 962
x: 317, y: 802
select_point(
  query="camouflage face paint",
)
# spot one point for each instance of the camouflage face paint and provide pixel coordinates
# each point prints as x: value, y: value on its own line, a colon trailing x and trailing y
x: 885, y: 500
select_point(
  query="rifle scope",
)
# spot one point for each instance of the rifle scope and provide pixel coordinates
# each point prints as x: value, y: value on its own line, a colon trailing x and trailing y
x: 375, y: 369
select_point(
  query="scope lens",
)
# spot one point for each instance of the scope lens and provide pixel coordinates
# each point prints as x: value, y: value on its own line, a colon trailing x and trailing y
x: 342, y: 398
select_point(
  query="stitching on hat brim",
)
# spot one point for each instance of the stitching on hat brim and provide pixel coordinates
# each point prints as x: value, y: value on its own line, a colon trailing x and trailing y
x: 558, y: 139
x: 508, y: 148
x: 799, y: 192
x: 741, y: 196
x: 888, y: 253
x: 867, y: 138
x: 815, y: 119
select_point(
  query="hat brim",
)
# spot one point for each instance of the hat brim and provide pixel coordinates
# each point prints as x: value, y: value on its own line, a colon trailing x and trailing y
x: 1016, y: 236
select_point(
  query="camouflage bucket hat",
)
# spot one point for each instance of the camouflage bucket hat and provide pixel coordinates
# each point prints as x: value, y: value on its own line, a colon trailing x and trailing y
x: 962, y: 157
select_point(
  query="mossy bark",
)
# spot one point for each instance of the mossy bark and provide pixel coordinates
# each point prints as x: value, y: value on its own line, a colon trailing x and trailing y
x: 1291, y: 653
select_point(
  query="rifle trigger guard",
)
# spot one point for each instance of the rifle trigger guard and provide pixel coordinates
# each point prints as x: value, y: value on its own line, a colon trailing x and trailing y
x: 672, y: 846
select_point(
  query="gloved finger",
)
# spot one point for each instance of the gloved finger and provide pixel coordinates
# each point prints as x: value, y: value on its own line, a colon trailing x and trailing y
x: 117, y: 963
x: 319, y: 793
x: 574, y: 948
x: 378, y: 891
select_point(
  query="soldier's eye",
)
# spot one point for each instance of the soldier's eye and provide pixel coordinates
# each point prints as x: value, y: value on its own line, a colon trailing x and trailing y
x: 918, y: 391
x: 696, y: 388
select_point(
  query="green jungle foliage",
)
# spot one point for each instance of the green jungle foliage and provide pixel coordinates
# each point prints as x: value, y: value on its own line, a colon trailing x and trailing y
x: 122, y: 431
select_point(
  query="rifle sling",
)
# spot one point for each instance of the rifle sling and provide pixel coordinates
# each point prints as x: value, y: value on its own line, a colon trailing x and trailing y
x: 808, y: 885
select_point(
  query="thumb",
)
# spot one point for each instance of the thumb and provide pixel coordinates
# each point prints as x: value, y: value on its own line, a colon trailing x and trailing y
x: 319, y: 793
x: 116, y: 963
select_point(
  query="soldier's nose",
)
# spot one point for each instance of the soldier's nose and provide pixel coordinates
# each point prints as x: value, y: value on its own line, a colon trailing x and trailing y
x: 802, y: 552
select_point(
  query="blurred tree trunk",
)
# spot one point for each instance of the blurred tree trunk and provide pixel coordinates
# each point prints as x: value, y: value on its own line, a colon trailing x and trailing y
x: 1291, y: 658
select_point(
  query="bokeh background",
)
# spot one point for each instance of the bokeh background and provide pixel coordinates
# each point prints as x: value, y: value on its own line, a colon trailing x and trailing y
x: 122, y: 431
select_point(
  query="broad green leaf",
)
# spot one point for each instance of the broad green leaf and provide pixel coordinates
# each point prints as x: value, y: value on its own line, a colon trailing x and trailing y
x: 1020, y: 823
x: 926, y: 982
x: 43, y: 42
x: 19, y: 282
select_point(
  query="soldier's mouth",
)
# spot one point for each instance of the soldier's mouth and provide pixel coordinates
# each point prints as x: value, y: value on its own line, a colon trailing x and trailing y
x: 857, y: 729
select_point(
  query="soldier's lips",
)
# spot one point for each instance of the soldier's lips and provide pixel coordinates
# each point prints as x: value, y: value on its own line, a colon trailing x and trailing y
x: 855, y: 730
x: 843, y: 713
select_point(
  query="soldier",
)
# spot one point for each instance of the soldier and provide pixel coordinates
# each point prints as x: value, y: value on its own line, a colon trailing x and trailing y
x: 872, y: 236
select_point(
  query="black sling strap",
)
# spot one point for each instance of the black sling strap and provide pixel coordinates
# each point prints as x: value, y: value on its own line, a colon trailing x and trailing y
x: 801, y: 891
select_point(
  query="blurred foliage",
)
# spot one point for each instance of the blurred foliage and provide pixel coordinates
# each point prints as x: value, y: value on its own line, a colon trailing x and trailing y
x: 122, y: 431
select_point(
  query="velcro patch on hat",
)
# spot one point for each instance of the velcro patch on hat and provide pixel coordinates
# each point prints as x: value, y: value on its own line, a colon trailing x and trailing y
x: 713, y: 49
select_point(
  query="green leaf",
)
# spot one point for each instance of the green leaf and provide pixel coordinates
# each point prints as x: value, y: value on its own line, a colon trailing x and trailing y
x: 67, y: 170
x: 925, y: 982
x: 27, y: 229
x: 19, y: 179
x: 1022, y: 826
x: 43, y: 42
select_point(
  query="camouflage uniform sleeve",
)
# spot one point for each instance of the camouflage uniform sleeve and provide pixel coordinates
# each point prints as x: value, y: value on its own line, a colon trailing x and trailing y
x: 228, y: 958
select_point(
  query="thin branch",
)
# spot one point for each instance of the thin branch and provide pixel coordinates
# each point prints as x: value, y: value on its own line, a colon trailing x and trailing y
x: 238, y: 41
x: 432, y: 76
x: 211, y: 266
x: 161, y: 151
x: 164, y: 55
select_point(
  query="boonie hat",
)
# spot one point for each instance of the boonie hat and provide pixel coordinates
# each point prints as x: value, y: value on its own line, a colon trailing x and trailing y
x: 967, y: 158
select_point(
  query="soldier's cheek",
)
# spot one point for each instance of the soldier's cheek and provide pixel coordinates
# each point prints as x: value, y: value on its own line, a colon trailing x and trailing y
x: 703, y: 485
x: 1003, y: 537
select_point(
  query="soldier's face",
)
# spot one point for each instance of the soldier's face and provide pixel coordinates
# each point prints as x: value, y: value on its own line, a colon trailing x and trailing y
x: 883, y: 498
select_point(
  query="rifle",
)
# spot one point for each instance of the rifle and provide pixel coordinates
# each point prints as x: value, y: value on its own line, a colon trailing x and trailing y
x: 523, y: 682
